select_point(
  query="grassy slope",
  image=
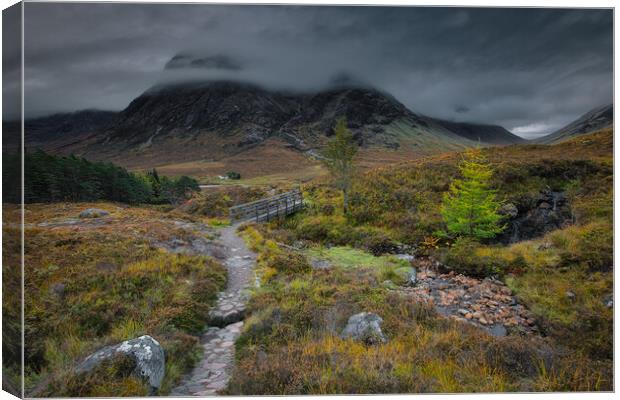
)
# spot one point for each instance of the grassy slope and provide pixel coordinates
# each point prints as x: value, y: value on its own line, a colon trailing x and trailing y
x: 290, y: 344
x: 89, y: 285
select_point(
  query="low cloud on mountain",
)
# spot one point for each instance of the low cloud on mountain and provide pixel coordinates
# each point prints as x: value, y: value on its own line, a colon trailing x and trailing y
x: 530, y: 70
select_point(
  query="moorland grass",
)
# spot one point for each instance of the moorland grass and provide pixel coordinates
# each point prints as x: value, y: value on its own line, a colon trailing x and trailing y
x: 291, y: 345
x: 88, y: 286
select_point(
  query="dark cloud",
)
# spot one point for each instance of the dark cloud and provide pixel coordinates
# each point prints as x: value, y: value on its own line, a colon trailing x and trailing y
x: 530, y: 70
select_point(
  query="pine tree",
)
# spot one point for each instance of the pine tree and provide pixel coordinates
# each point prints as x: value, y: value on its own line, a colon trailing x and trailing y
x: 339, y: 154
x: 470, y: 207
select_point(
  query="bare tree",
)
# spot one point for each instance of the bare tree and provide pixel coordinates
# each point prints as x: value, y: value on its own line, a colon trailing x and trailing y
x: 339, y: 154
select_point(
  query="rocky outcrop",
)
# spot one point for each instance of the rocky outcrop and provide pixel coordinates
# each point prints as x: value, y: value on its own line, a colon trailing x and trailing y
x: 145, y: 351
x: 549, y: 211
x: 364, y: 327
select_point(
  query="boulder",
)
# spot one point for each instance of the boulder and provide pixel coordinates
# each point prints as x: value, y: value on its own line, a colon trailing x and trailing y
x: 58, y: 289
x: 364, y: 327
x: 317, y: 263
x: 407, y: 275
x: 544, y: 205
x: 388, y: 284
x: 509, y: 210
x: 608, y: 301
x: 405, y: 257
x: 93, y: 213
x: 145, y: 351
x: 104, y: 266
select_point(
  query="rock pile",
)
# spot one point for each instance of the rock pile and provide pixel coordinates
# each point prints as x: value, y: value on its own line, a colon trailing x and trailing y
x: 486, y: 303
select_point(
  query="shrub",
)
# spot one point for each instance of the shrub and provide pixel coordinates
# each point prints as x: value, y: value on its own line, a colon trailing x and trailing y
x: 233, y: 175
x: 590, y: 245
x: 289, y: 262
x: 596, y: 248
x: 323, y: 229
x: 375, y: 240
x: 466, y: 256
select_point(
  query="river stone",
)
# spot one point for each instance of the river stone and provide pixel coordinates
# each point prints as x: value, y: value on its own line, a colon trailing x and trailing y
x: 93, y: 213
x: 364, y: 327
x: 145, y: 351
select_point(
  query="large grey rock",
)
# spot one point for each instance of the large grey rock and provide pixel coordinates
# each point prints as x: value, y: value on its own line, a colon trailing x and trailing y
x: 364, y: 327
x: 93, y: 213
x: 144, y: 350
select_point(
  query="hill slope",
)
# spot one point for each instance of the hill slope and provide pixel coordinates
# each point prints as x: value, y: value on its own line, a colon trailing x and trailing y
x: 593, y: 120
x: 487, y: 134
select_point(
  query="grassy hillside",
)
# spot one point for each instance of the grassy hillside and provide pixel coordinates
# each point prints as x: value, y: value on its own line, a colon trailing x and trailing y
x: 564, y: 278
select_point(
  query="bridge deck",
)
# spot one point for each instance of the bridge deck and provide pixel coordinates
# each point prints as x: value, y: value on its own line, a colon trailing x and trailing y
x: 277, y: 206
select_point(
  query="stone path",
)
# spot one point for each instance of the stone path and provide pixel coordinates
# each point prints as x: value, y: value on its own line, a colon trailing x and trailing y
x: 225, y: 320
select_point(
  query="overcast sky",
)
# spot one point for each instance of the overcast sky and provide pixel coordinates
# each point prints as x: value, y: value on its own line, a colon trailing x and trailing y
x: 530, y: 70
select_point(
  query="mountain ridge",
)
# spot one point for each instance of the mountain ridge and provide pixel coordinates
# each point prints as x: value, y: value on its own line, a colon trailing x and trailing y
x: 593, y: 120
x: 209, y: 120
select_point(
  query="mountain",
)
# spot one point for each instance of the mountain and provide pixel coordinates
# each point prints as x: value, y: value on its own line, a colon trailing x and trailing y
x: 593, y: 120
x: 210, y: 121
x: 488, y: 134
x: 57, y: 130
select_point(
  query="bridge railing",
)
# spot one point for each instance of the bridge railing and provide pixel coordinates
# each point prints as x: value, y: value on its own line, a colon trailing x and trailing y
x: 277, y: 206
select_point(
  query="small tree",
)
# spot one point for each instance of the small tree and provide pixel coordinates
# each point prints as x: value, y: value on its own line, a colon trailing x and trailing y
x: 470, y: 207
x: 339, y: 154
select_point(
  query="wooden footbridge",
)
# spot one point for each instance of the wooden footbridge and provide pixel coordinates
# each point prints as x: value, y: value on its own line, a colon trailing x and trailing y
x: 278, y: 206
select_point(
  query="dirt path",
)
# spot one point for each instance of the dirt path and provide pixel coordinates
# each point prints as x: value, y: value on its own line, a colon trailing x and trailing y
x: 212, y: 372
